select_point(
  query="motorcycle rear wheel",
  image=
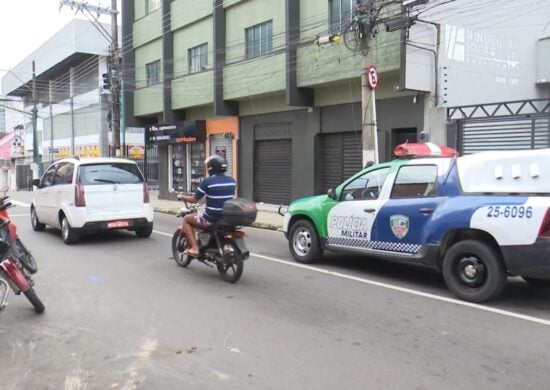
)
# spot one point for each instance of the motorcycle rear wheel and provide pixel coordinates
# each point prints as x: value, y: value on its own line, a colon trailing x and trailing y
x: 231, y: 267
x: 26, y: 258
x: 35, y: 301
x: 179, y: 244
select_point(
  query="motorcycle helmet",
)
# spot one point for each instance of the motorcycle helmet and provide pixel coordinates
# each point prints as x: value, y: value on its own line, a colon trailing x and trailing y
x: 215, y: 164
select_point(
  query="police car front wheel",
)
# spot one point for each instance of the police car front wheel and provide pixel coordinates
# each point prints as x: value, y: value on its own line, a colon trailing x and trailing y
x: 304, y: 242
x: 473, y: 271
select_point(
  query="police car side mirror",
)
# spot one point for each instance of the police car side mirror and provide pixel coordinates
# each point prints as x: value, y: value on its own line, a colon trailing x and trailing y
x: 331, y: 193
x: 36, y: 183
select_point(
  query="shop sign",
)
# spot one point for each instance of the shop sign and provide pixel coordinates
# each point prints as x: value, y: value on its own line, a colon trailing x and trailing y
x: 64, y: 152
x: 89, y: 151
x: 176, y: 133
x: 136, y: 151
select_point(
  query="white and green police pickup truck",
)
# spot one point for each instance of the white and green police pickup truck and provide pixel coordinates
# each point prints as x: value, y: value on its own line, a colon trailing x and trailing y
x: 477, y: 218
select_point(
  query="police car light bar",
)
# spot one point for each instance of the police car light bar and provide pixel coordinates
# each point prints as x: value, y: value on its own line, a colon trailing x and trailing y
x: 427, y: 149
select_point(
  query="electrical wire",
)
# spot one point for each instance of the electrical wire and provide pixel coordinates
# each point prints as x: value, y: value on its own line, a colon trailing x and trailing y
x: 251, y: 79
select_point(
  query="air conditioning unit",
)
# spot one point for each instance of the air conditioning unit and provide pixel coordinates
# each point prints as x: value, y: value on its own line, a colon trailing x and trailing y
x: 543, y: 59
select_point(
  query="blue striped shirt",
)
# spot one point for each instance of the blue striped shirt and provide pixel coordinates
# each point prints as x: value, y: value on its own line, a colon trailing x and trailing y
x: 217, y: 188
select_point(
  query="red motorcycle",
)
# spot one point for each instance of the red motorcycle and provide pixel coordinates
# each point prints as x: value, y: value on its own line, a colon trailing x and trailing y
x: 8, y: 233
x: 16, y: 262
x: 13, y: 277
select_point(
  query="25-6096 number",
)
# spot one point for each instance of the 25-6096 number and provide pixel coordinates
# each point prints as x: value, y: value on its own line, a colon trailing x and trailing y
x: 510, y: 212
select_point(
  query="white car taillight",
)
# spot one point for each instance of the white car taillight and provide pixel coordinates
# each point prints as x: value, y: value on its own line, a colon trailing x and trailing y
x: 145, y: 193
x: 79, y: 199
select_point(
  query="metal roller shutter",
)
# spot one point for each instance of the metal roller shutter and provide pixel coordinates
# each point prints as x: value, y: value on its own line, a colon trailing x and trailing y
x: 273, y: 171
x: 221, y: 141
x: 511, y: 134
x: 340, y: 158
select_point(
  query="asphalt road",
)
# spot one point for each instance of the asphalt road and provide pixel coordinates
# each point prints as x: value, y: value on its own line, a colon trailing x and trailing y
x: 120, y: 314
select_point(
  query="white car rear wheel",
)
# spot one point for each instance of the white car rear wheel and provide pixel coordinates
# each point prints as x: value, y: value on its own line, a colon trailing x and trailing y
x: 35, y: 223
x: 67, y: 232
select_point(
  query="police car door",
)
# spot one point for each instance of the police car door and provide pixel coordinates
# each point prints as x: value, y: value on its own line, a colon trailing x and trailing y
x: 413, y: 199
x: 350, y: 221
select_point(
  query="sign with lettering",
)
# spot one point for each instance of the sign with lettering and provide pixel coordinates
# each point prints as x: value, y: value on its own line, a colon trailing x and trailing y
x: 372, y: 77
x: 176, y: 133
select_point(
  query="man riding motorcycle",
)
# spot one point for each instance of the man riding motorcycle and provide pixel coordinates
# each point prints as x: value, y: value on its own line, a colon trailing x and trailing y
x: 217, y: 188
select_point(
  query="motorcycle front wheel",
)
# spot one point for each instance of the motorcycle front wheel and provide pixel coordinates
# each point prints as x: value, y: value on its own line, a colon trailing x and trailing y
x: 231, y: 266
x: 25, y: 257
x: 35, y: 301
x: 179, y: 244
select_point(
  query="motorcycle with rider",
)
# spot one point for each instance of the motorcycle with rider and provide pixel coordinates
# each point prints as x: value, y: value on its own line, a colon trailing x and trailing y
x: 220, y: 242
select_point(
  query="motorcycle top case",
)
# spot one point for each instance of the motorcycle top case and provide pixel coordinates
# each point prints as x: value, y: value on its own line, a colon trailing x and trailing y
x: 239, y: 211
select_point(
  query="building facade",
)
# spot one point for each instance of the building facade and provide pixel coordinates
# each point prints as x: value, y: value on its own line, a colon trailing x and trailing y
x: 487, y: 65
x: 292, y: 108
x: 72, y: 106
x: 284, y: 111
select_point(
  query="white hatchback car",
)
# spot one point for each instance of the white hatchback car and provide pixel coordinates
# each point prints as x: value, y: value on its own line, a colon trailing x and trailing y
x: 91, y: 195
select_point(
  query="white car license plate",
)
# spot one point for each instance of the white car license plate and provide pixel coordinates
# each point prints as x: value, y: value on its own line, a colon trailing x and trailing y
x: 117, y: 224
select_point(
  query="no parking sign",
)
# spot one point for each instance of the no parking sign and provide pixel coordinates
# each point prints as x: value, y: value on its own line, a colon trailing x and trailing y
x: 372, y: 77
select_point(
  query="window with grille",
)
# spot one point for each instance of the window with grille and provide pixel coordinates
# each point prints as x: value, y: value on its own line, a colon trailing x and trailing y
x: 198, y: 58
x: 152, y: 70
x: 151, y: 5
x: 341, y: 12
x: 259, y: 39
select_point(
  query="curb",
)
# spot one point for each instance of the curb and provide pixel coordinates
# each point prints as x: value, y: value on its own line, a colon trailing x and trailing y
x: 267, y: 226
x: 164, y: 211
x: 259, y: 225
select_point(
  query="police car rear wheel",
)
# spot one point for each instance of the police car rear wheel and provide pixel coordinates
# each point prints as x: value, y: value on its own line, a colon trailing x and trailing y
x: 473, y: 271
x: 304, y: 242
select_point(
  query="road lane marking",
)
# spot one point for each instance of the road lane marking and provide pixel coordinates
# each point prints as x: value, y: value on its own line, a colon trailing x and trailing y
x: 163, y: 234
x: 493, y: 310
x: 410, y: 291
x: 18, y: 203
x: 435, y: 297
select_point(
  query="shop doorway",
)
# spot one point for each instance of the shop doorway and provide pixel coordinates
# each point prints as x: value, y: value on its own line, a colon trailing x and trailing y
x: 341, y: 156
x: 273, y: 171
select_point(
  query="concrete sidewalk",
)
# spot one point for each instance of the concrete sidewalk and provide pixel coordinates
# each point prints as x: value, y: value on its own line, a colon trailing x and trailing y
x: 268, y: 218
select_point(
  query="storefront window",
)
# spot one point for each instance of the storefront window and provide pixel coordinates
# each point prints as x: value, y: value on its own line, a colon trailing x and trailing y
x: 187, y: 169
x: 179, y: 168
x: 197, y: 165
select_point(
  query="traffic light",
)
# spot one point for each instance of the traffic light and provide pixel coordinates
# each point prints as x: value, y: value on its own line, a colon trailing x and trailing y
x: 106, y: 81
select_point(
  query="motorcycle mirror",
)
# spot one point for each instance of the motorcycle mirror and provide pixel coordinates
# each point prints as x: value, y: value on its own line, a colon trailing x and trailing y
x: 5, y: 189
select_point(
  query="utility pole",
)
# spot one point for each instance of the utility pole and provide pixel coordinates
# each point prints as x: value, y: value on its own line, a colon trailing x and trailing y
x: 114, y: 73
x: 115, y: 85
x: 368, y: 113
x: 362, y: 31
x: 357, y: 38
x: 36, y: 154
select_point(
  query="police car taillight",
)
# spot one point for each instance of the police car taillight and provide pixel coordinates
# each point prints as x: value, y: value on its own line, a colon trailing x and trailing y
x: 545, y: 227
x: 426, y: 149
